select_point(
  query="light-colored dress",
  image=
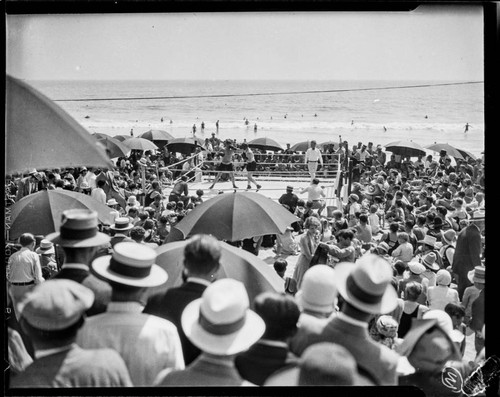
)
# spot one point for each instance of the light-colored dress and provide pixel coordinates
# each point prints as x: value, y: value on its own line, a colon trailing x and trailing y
x: 308, y: 244
x: 439, y: 296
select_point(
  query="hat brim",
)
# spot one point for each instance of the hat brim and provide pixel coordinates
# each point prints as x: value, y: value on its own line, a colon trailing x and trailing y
x: 427, y: 243
x: 434, y: 266
x: 223, y: 345
x: 45, y: 251
x: 325, y: 308
x: 113, y: 227
x: 96, y: 241
x: 157, y: 277
x: 387, y: 303
x: 473, y: 279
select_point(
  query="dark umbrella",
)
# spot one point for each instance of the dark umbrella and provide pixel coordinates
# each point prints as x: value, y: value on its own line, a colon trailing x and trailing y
x: 40, y: 134
x: 450, y: 150
x: 159, y: 137
x: 184, y: 145
x: 40, y: 213
x: 328, y: 143
x: 121, y: 138
x: 236, y: 216
x: 405, y: 148
x: 236, y: 263
x: 301, y: 146
x: 113, y: 147
x: 139, y: 144
x: 466, y: 155
x: 265, y: 144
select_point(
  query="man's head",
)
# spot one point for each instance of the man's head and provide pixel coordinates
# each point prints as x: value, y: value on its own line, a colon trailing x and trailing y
x: 313, y: 144
x: 27, y: 240
x: 202, y: 256
x: 280, y: 314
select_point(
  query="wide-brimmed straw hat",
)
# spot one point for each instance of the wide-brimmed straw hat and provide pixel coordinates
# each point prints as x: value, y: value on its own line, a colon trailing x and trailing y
x: 46, y: 247
x: 112, y: 201
x: 477, y: 275
x: 449, y: 236
x: 445, y: 322
x: 429, y: 261
x: 55, y: 304
x: 122, y: 223
x: 428, y: 240
x: 79, y: 230
x: 221, y: 322
x: 131, y: 264
x: 366, y: 284
x: 318, y: 292
x: 383, y: 246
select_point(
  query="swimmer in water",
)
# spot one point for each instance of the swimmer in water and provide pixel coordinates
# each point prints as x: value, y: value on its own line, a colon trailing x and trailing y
x: 467, y: 125
x: 385, y: 129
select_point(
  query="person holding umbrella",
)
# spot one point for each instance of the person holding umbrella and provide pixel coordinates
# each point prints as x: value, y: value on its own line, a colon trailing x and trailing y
x: 250, y: 166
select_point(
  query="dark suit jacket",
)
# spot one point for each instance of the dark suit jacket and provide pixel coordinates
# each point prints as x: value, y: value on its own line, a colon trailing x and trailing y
x: 101, y: 289
x: 75, y: 367
x: 374, y: 359
x: 120, y: 239
x: 261, y: 360
x: 170, y: 304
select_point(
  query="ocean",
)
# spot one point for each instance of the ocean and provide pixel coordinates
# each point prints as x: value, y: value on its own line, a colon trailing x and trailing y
x: 286, y: 111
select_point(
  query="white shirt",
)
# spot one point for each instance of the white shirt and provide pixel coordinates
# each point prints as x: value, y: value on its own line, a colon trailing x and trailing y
x: 99, y: 195
x: 314, y: 155
x: 147, y: 343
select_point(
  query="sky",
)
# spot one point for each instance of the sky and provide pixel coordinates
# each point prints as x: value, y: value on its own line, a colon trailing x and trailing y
x: 430, y: 43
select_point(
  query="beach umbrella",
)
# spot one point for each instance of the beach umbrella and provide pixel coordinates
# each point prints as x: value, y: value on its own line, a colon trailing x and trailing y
x: 467, y: 155
x: 265, y: 144
x: 405, y: 148
x: 328, y: 143
x: 184, y: 145
x: 450, y: 150
x: 159, y: 137
x: 113, y: 147
x: 40, y: 213
x: 139, y: 144
x: 236, y: 216
x: 40, y: 134
x: 236, y: 263
x: 121, y: 138
x: 300, y: 146
x: 99, y: 135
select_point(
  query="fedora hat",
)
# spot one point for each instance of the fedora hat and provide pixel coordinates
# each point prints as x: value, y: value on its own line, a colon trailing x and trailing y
x: 318, y: 292
x: 429, y: 240
x: 429, y: 261
x: 79, y: 230
x: 122, y: 223
x: 46, y: 247
x: 289, y: 187
x: 112, y: 201
x: 416, y: 267
x: 321, y: 364
x: 131, y: 264
x: 55, y: 304
x: 366, y: 284
x: 449, y: 236
x: 221, y: 322
x: 477, y: 274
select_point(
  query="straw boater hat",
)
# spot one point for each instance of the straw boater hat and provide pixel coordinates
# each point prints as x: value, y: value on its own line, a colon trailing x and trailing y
x: 477, y: 274
x: 318, y: 291
x: 55, y: 304
x: 449, y: 236
x: 382, y: 247
x: 416, y: 267
x: 131, y: 264
x: 122, y: 223
x: 79, y: 230
x: 366, y: 284
x: 428, y: 240
x: 429, y: 261
x: 220, y: 322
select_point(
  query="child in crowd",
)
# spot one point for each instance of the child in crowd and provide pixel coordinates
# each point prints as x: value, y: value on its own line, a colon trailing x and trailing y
x: 280, y: 266
x: 374, y: 220
x: 404, y: 251
x: 285, y: 243
x: 364, y: 232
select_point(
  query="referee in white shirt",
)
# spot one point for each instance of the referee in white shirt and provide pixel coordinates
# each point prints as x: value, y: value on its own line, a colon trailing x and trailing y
x: 313, y: 156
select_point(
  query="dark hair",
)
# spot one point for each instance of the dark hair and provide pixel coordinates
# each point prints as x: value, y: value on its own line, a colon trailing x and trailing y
x: 363, y: 218
x: 202, y: 254
x: 421, y: 220
x: 280, y: 265
x: 346, y: 233
x: 137, y: 233
x: 400, y: 267
x: 101, y: 182
x: 413, y: 290
x: 454, y: 309
x: 143, y: 215
x: 394, y: 227
x: 280, y: 313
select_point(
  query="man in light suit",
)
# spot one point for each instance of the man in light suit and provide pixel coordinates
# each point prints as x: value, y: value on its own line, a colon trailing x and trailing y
x: 201, y: 263
x: 367, y: 291
x: 51, y: 315
x: 28, y: 185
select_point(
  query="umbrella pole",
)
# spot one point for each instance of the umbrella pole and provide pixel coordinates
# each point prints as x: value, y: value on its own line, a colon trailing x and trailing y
x: 143, y: 179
